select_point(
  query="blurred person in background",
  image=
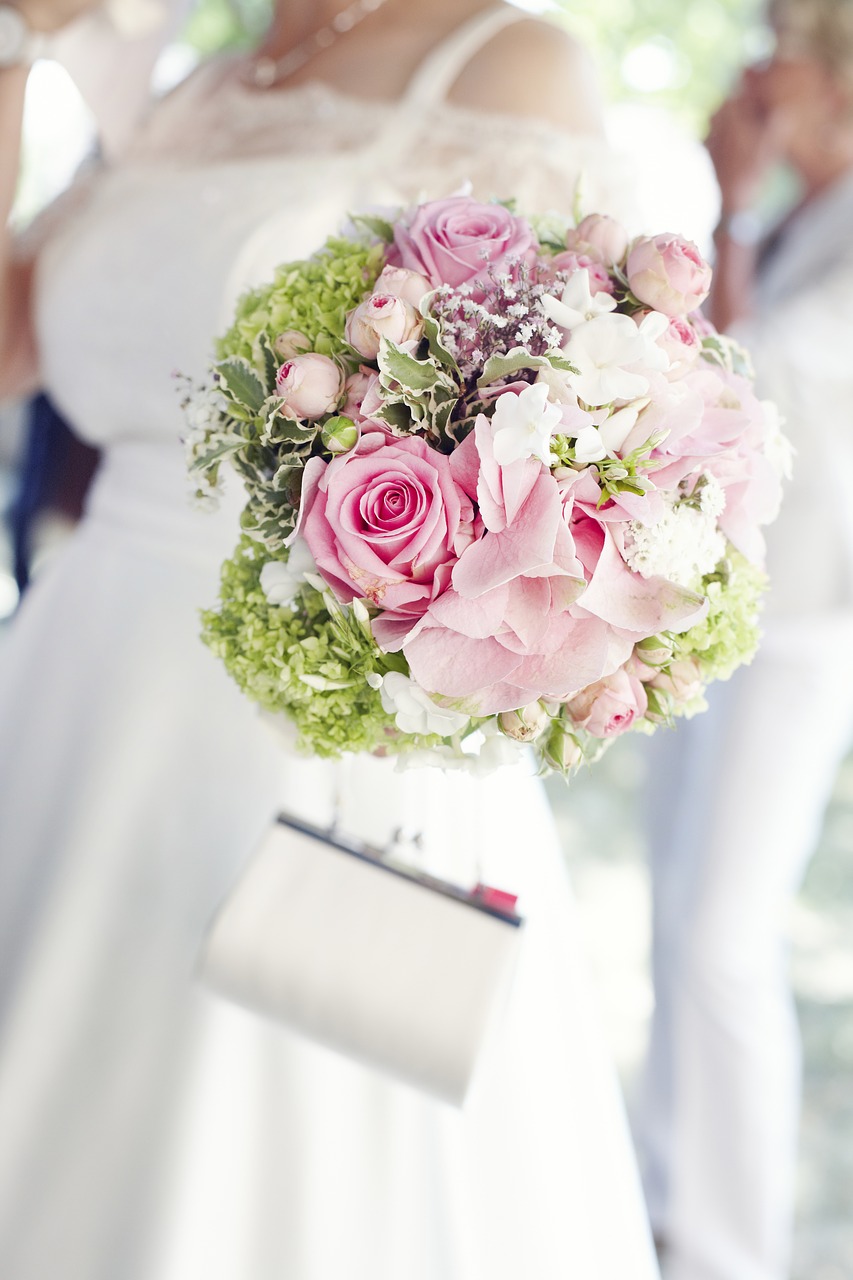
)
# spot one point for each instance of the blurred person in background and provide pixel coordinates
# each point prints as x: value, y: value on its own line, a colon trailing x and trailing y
x: 738, y: 795
x: 150, y: 1132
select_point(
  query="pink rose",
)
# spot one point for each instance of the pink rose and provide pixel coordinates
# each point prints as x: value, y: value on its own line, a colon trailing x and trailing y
x: 682, y: 344
x: 600, y: 237
x: 668, y: 273
x: 382, y: 315
x: 610, y: 706
x: 310, y: 385
x: 570, y: 261
x: 456, y: 240
x: 411, y: 286
x: 387, y: 522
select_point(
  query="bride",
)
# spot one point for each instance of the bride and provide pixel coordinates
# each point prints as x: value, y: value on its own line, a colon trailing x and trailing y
x: 149, y: 1131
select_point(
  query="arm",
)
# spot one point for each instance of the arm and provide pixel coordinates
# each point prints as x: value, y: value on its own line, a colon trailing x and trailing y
x: 535, y: 69
x: 742, y: 145
x: 18, y: 356
x: 17, y: 344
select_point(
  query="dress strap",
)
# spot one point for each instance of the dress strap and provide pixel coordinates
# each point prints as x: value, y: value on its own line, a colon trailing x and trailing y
x: 441, y: 68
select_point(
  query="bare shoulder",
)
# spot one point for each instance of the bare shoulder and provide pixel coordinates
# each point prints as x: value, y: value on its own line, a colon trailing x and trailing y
x: 534, y: 68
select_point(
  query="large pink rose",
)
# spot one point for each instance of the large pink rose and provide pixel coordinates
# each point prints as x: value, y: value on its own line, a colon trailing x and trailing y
x: 456, y: 240
x: 668, y: 273
x: 386, y: 522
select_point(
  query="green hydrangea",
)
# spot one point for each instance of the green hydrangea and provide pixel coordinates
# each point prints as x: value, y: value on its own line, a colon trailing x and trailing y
x: 306, y: 663
x: 729, y: 634
x: 311, y: 296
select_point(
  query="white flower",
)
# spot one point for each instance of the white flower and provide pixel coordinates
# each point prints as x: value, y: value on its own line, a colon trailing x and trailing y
x: 652, y: 327
x: 682, y: 547
x: 603, y: 350
x: 589, y: 446
x: 578, y: 304
x: 778, y: 448
x: 282, y: 579
x: 523, y: 424
x: 616, y: 429
x: 488, y: 749
x: 414, y: 710
x: 712, y: 496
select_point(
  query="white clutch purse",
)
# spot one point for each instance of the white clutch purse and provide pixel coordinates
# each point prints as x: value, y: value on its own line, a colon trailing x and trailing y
x: 397, y: 969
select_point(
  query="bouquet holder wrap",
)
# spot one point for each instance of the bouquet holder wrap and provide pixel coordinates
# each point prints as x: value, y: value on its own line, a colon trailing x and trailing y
x: 397, y: 969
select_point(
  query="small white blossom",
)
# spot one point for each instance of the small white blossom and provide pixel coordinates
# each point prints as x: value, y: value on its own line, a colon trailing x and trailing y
x: 712, y: 497
x: 282, y: 579
x: 414, y: 710
x: 523, y: 424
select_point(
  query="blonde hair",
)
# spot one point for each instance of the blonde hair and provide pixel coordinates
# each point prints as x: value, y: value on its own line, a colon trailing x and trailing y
x: 823, y: 29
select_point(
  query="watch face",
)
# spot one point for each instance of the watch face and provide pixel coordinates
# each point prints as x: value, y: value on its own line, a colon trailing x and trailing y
x: 13, y: 36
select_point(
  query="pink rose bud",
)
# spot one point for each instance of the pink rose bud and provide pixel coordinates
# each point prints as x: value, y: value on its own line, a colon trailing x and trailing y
x: 682, y: 344
x: 400, y: 283
x: 600, y: 237
x: 310, y: 385
x: 382, y: 315
x: 525, y: 724
x: 291, y: 343
x: 668, y: 273
x: 682, y: 681
x: 570, y: 260
x: 562, y: 751
x: 653, y: 651
x: 339, y: 434
x: 356, y: 388
x: 609, y: 706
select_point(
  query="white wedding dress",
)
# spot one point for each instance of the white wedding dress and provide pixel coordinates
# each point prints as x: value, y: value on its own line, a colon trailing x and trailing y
x: 149, y: 1131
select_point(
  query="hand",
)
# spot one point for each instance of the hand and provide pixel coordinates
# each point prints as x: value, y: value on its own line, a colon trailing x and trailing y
x: 743, y: 141
x: 46, y: 16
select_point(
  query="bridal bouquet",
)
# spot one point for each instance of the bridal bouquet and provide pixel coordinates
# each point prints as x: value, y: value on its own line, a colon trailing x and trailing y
x: 504, y: 485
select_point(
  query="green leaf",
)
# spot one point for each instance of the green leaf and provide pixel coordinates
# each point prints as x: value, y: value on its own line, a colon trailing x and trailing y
x: 270, y: 364
x: 414, y: 375
x: 436, y: 350
x: 202, y: 461
x: 501, y: 366
x: 376, y: 226
x: 238, y: 380
x: 397, y: 414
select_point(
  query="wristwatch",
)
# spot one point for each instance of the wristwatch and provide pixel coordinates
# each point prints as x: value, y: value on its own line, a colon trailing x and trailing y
x: 19, y: 46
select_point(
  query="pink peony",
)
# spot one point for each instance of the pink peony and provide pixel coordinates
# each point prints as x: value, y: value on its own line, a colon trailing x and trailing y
x: 668, y: 273
x: 382, y: 315
x: 609, y: 706
x: 456, y: 240
x: 386, y: 522
x: 310, y: 385
x: 502, y: 635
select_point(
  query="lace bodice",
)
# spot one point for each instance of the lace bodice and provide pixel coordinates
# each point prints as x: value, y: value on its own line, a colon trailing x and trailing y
x: 224, y: 182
